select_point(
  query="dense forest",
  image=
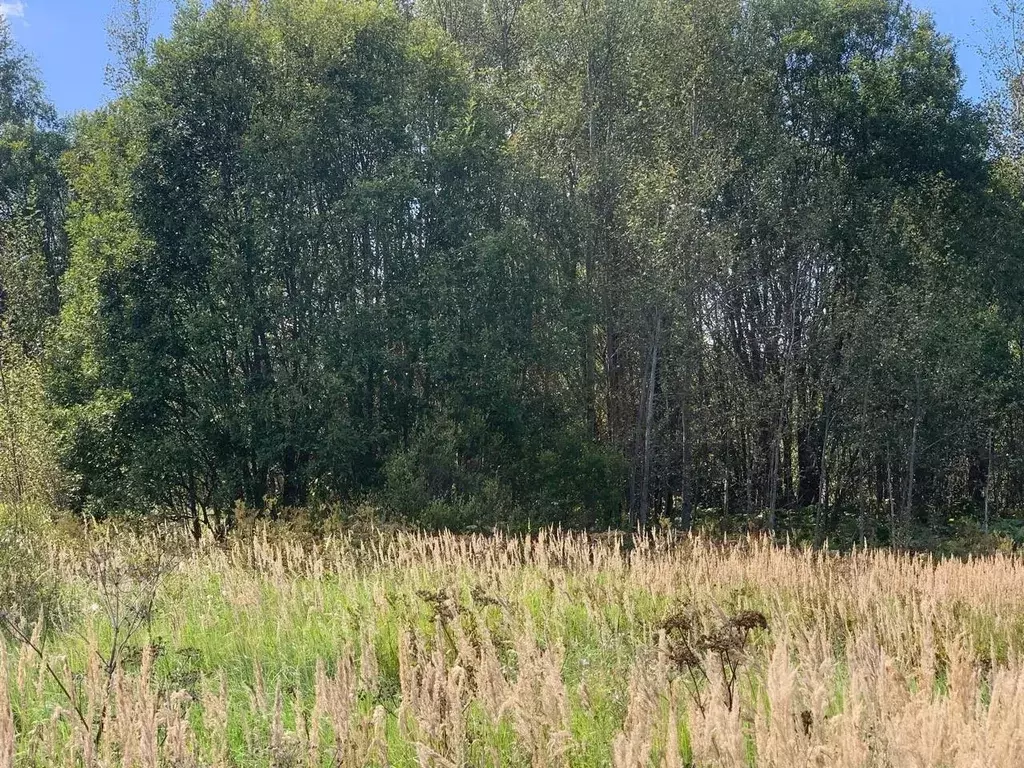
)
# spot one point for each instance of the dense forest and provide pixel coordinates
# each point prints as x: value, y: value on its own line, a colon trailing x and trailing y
x: 505, y: 262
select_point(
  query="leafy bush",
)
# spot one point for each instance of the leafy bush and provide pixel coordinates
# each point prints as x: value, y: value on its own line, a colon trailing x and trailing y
x: 576, y: 481
x: 27, y: 582
x: 460, y: 473
x: 447, y: 477
x: 29, y: 470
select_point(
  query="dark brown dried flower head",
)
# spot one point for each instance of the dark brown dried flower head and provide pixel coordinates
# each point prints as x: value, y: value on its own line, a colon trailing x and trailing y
x: 677, y: 622
x: 807, y: 721
x: 749, y: 620
x: 444, y: 605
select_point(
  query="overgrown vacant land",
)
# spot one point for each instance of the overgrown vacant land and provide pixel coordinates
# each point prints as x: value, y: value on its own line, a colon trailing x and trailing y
x: 560, y: 649
x: 517, y: 265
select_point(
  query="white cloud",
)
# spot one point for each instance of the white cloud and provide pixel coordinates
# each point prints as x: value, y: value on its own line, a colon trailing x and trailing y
x: 13, y: 9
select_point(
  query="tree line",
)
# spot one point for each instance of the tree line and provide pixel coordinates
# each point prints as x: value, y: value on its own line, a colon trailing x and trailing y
x: 589, y: 262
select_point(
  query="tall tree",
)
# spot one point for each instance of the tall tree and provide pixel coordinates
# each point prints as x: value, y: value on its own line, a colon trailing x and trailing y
x: 32, y: 256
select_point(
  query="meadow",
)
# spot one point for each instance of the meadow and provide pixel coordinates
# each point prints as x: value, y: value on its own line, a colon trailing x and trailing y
x: 558, y: 649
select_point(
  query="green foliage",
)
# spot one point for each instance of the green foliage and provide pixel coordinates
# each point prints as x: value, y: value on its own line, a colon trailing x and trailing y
x: 458, y: 473
x: 520, y: 263
x: 306, y: 249
x: 575, y: 481
x: 32, y: 256
x: 27, y: 584
x: 29, y: 470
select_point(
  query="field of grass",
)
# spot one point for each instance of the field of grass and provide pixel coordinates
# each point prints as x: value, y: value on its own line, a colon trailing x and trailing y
x: 397, y: 649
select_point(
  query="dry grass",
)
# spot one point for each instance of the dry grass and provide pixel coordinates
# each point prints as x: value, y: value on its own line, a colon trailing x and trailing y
x: 557, y: 650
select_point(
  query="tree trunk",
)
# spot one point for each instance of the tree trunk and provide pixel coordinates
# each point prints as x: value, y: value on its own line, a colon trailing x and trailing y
x: 908, y: 498
x: 823, y: 507
x: 685, y: 485
x: 645, y: 476
x: 890, y: 498
x: 988, y: 480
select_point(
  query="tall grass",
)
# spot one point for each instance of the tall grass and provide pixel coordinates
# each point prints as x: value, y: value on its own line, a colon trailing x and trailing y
x: 555, y: 650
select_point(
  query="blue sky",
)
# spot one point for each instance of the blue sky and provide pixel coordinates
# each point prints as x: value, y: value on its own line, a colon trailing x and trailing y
x: 68, y: 40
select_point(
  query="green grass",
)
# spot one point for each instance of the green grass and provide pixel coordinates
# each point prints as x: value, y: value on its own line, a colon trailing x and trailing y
x: 263, y: 626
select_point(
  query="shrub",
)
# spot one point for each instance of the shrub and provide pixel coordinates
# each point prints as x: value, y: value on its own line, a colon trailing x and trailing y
x: 460, y: 473
x: 29, y: 471
x: 448, y: 477
x: 27, y: 582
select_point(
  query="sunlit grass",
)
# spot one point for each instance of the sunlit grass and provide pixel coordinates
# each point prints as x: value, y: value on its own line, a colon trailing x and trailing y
x: 411, y: 650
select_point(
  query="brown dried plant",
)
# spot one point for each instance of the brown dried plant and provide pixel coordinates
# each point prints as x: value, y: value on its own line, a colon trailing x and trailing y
x: 691, y: 649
